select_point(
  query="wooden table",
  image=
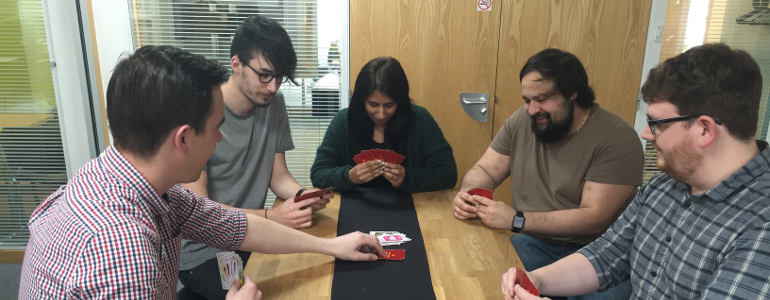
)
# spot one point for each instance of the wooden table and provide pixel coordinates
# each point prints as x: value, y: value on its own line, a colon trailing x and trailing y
x: 466, y: 258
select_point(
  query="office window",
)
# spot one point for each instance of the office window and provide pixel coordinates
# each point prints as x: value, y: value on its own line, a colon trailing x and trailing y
x: 31, y: 156
x: 315, y: 28
x: 741, y: 24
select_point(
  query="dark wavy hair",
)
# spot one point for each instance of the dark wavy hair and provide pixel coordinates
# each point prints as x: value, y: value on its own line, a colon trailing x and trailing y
x: 712, y: 80
x: 264, y: 36
x: 155, y: 90
x: 383, y: 74
x: 566, y: 71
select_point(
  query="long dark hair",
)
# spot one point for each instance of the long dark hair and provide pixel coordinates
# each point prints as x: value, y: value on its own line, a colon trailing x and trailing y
x: 383, y: 74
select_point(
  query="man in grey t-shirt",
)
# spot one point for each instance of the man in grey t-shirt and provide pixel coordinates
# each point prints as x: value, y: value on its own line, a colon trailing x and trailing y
x: 251, y: 157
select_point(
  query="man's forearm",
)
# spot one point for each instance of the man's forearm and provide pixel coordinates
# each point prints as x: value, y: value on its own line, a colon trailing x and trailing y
x: 564, y: 223
x: 477, y: 177
x: 284, y: 186
x: 269, y: 237
x: 569, y: 276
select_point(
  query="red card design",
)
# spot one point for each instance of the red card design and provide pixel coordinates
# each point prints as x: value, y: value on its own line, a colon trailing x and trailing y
x: 523, y: 280
x: 381, y: 154
x: 482, y: 192
x: 317, y: 193
x: 394, y: 254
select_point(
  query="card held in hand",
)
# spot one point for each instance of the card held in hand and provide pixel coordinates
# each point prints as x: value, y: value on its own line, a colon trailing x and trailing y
x: 230, y: 268
x: 482, y: 192
x: 523, y: 280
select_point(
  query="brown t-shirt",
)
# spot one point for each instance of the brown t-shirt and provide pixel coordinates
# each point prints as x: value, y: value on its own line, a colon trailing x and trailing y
x: 550, y: 176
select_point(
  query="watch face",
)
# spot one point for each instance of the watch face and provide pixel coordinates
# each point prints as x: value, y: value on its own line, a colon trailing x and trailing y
x: 518, y: 222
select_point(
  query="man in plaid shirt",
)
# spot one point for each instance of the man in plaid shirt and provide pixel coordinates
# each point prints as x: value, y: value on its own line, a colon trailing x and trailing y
x: 114, y: 230
x: 701, y: 228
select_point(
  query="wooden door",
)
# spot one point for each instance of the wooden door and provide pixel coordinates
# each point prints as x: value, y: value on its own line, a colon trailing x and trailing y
x: 446, y: 47
x: 608, y: 36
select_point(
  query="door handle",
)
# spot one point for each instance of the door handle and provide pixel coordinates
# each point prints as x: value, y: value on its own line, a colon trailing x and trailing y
x: 475, y: 105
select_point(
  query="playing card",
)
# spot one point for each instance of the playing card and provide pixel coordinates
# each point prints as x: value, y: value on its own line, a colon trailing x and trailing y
x: 359, y: 158
x: 230, y: 268
x: 390, y: 238
x: 317, y: 193
x: 482, y: 192
x: 523, y: 280
x: 394, y: 254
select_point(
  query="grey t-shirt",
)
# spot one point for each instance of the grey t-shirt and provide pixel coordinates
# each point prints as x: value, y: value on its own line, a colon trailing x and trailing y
x: 239, y: 171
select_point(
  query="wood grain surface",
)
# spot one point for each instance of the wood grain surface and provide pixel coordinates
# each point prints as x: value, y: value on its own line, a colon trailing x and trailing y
x: 466, y: 258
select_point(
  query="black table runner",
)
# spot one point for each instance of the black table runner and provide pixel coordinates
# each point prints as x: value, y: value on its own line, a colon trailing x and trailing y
x: 382, y: 209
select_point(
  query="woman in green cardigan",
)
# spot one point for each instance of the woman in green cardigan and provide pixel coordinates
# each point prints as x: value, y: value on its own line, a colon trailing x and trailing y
x: 381, y: 116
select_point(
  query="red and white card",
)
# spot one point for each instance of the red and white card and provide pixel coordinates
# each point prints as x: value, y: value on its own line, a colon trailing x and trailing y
x: 394, y: 254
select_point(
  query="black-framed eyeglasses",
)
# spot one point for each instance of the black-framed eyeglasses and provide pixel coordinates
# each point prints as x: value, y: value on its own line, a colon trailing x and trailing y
x: 653, y: 123
x: 268, y: 77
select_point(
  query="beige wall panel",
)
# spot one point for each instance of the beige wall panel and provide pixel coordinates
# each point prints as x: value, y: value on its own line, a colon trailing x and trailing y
x: 607, y: 35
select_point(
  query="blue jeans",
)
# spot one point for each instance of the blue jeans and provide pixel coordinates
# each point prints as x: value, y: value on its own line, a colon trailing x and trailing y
x: 535, y: 253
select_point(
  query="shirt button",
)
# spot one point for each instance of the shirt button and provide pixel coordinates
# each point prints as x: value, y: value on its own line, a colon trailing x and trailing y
x: 668, y: 239
x: 653, y: 273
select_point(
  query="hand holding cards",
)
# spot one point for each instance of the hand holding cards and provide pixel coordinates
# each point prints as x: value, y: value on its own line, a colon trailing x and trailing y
x: 230, y: 268
x: 385, y: 155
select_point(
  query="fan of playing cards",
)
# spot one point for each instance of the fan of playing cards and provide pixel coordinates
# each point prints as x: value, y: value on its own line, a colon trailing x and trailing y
x: 230, y: 268
x: 385, y: 155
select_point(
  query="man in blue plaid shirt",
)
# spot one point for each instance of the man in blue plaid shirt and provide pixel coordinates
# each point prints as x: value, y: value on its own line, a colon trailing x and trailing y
x: 701, y: 228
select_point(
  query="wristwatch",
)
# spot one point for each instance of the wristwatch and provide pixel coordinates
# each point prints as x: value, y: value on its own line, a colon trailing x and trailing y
x: 518, y: 222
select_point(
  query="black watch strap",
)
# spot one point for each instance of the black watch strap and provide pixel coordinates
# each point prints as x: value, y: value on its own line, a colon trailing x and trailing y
x: 518, y: 222
x: 301, y: 190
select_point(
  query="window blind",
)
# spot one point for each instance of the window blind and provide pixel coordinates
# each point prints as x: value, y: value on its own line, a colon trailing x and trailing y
x: 207, y: 27
x: 31, y: 156
x: 741, y: 24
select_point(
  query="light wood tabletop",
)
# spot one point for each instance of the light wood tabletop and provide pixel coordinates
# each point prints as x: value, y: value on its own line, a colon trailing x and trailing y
x: 466, y: 258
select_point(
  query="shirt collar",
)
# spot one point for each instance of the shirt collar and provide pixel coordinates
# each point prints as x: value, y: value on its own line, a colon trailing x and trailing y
x: 125, y: 172
x: 746, y: 175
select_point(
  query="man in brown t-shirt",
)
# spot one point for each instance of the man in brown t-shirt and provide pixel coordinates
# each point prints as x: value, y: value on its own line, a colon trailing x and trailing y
x: 573, y: 165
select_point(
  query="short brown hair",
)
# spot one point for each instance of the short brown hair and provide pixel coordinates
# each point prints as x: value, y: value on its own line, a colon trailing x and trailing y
x: 712, y: 80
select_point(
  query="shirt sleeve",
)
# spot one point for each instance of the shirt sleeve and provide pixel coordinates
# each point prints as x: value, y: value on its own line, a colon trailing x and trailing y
x: 743, y: 273
x: 502, y: 143
x: 609, y: 254
x: 119, y: 263
x: 435, y: 168
x: 620, y: 159
x: 205, y: 221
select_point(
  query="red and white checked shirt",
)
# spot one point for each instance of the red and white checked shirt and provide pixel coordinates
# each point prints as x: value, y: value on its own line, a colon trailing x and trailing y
x: 107, y: 234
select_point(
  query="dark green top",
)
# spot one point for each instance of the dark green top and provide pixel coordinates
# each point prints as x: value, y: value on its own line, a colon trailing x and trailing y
x: 429, y: 163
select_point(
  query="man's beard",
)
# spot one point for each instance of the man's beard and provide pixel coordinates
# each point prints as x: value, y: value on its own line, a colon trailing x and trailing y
x: 553, y: 131
x: 680, y: 162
